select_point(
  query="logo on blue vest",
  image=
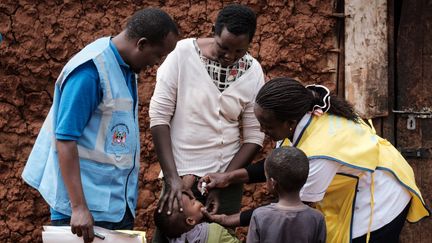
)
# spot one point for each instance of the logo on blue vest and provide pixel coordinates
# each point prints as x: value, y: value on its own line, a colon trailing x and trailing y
x: 120, y: 132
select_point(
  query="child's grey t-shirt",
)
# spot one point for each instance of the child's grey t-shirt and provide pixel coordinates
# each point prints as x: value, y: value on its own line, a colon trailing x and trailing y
x: 276, y: 223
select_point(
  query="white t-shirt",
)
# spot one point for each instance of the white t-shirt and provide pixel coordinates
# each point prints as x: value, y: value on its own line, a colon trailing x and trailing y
x: 389, y: 195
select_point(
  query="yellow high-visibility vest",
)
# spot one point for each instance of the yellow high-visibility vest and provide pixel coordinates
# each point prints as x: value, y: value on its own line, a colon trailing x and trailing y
x: 355, y: 145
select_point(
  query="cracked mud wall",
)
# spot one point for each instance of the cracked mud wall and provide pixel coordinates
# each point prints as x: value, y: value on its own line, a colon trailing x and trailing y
x: 293, y: 39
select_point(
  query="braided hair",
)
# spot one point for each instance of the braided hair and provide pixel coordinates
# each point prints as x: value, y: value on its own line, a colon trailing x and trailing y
x: 238, y: 19
x: 289, y: 100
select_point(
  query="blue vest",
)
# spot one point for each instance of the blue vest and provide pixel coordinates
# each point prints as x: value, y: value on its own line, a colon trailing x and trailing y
x: 108, y: 149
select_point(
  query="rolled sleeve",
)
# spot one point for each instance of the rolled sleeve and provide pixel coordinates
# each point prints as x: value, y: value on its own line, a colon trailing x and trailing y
x: 321, y: 174
x: 163, y: 101
x: 251, y: 126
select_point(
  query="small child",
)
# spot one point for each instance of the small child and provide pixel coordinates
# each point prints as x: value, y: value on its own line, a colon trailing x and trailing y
x: 189, y: 225
x: 178, y: 222
x: 288, y: 220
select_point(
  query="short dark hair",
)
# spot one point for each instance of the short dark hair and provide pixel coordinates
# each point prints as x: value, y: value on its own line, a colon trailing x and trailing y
x: 151, y: 23
x: 173, y: 225
x: 289, y: 166
x: 238, y: 19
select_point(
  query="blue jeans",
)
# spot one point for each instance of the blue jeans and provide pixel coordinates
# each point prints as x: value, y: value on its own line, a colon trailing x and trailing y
x: 127, y: 223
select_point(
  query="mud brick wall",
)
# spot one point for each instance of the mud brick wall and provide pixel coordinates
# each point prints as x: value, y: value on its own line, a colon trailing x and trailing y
x: 293, y: 39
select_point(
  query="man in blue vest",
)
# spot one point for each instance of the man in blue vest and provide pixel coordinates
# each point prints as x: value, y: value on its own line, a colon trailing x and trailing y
x: 85, y: 161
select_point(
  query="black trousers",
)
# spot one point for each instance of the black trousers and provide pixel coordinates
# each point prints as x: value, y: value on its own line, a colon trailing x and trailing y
x: 389, y: 233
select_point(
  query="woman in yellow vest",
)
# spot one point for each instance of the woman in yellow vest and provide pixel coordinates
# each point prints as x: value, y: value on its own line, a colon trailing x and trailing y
x: 358, y: 180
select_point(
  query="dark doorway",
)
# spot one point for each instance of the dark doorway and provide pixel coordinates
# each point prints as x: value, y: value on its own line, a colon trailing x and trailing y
x: 410, y: 48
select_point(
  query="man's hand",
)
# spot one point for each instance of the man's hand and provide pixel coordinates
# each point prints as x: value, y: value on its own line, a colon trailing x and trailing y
x: 82, y: 223
x: 172, y: 195
x: 212, y: 202
x: 223, y: 219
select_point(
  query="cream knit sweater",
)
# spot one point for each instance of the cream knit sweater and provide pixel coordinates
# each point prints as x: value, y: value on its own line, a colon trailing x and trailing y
x: 204, y: 123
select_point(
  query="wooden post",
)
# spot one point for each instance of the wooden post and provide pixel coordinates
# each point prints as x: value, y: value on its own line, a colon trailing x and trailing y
x: 388, y: 129
x: 366, y: 73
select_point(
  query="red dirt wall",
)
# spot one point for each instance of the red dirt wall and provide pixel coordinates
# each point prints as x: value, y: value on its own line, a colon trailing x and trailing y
x: 293, y: 39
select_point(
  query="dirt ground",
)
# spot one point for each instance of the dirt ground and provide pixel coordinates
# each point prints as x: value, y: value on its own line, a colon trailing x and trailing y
x: 293, y: 39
